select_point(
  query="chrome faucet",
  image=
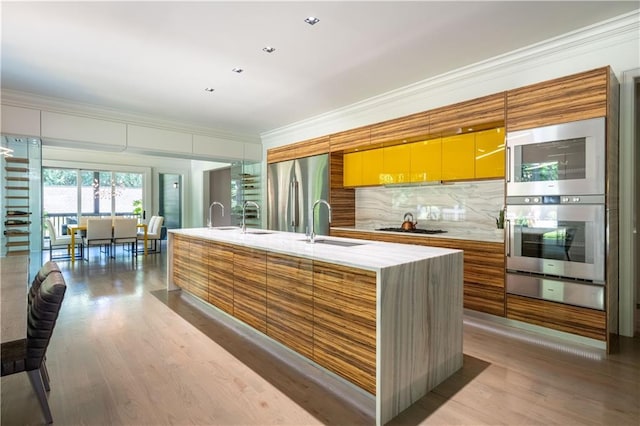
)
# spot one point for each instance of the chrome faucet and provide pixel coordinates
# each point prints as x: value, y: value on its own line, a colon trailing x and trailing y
x: 210, y: 224
x: 312, y: 235
x: 244, y: 213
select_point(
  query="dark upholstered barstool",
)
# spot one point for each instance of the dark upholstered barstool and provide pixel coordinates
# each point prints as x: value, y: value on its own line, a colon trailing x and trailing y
x: 21, y: 355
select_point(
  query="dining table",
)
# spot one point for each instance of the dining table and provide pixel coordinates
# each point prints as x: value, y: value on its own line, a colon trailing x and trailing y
x: 74, y: 229
x: 14, y: 285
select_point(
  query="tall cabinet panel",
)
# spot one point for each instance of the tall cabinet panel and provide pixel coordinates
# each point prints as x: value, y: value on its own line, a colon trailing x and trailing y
x: 21, y: 229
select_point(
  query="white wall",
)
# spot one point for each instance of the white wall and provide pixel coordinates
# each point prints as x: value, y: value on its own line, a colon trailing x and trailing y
x: 615, y: 42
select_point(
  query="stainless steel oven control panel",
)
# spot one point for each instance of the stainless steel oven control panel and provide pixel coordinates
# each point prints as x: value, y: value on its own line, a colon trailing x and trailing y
x: 556, y: 199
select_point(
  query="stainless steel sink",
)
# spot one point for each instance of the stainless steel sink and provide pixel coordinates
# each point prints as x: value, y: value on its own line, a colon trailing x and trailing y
x: 337, y: 243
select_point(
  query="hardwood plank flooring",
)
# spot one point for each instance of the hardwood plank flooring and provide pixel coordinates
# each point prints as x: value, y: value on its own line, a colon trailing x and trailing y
x: 124, y: 352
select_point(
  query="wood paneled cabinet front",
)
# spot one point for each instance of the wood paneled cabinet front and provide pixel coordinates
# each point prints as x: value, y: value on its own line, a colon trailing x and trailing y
x: 250, y: 287
x: 221, y: 276
x: 344, y: 322
x: 199, y: 268
x: 290, y: 302
x: 484, y: 265
x: 181, y: 263
x: 576, y: 97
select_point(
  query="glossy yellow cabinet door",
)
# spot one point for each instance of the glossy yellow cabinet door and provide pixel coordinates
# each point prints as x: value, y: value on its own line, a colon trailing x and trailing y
x: 352, y: 172
x: 490, y: 153
x: 396, y: 164
x: 426, y: 160
x: 458, y: 157
x: 372, y: 167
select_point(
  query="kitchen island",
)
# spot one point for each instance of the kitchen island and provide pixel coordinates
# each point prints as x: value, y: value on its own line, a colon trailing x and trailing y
x: 386, y: 317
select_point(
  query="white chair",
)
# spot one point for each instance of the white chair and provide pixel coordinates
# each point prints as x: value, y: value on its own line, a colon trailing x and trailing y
x: 58, y: 242
x: 125, y: 232
x: 154, y: 233
x: 99, y: 232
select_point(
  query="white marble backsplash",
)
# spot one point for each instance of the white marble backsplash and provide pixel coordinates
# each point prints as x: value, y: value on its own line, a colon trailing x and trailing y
x: 466, y: 208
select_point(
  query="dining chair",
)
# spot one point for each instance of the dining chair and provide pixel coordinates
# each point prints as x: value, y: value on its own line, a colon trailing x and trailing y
x: 28, y: 355
x: 154, y: 234
x: 39, y: 278
x: 99, y: 232
x: 125, y: 232
x: 58, y: 242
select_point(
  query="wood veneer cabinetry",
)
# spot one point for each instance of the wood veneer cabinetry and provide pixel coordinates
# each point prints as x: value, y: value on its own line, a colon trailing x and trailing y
x: 479, y: 113
x: 575, y: 97
x: 181, y: 262
x: 250, y: 287
x: 220, y: 278
x: 404, y: 129
x: 342, y: 200
x: 299, y: 150
x: 344, y: 322
x: 350, y: 139
x: 483, y: 266
x: 290, y: 302
x: 571, y: 319
x: 199, y: 268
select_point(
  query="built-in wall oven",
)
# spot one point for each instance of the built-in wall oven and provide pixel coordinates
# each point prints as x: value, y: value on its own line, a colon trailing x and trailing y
x: 556, y: 213
x: 564, y: 159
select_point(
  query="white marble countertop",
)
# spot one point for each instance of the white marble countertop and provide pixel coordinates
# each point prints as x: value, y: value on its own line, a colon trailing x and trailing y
x: 497, y: 236
x: 371, y: 255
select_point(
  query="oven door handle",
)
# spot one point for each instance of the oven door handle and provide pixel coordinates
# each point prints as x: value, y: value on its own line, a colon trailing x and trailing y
x: 508, y: 164
x: 507, y: 242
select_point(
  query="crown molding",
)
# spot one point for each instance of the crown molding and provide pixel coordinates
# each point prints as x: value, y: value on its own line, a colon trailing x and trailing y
x: 404, y: 100
x: 33, y: 101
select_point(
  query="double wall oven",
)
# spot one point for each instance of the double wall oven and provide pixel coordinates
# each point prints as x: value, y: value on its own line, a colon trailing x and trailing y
x: 556, y: 213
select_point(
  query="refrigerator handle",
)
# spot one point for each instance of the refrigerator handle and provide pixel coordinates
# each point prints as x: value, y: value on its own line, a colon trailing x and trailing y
x: 293, y: 203
x: 507, y: 240
x: 508, y: 164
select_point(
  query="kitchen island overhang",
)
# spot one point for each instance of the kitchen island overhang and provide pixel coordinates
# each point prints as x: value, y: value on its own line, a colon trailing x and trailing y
x: 415, y: 321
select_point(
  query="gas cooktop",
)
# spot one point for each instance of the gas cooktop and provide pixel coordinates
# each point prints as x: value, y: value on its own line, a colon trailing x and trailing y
x: 413, y: 231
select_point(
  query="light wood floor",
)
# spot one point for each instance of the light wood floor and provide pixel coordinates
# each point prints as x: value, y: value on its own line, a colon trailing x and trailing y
x: 126, y: 352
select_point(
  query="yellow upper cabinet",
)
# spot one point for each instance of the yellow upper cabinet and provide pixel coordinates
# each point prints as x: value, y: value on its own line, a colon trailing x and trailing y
x: 396, y: 164
x: 372, y: 167
x: 458, y: 157
x: 352, y: 172
x: 426, y: 160
x: 490, y: 153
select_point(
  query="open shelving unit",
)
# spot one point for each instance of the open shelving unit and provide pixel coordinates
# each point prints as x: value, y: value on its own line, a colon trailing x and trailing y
x: 20, y: 227
x: 246, y: 186
x: 16, y: 213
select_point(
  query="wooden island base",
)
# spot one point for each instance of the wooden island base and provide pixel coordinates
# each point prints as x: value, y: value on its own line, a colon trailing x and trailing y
x: 385, y: 317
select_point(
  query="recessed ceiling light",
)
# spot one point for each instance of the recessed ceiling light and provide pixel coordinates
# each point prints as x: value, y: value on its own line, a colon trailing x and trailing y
x: 269, y: 49
x: 209, y: 89
x: 237, y: 70
x: 311, y: 20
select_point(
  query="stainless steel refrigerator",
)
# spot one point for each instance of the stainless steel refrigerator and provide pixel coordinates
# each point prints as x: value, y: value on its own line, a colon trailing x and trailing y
x: 292, y: 188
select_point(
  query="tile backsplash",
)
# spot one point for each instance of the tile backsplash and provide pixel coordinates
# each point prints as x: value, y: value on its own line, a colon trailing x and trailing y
x: 460, y: 208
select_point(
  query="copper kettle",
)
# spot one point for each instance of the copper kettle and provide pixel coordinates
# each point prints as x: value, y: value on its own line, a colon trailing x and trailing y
x: 409, y: 224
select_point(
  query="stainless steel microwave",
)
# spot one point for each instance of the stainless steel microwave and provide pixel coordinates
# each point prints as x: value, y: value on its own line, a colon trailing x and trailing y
x: 566, y: 158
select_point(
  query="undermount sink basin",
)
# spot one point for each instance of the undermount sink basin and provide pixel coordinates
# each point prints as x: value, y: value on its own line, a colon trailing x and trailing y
x: 337, y: 243
x: 258, y: 232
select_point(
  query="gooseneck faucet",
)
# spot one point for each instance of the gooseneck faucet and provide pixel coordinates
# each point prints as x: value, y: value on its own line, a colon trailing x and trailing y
x: 210, y: 224
x: 244, y: 213
x: 312, y: 236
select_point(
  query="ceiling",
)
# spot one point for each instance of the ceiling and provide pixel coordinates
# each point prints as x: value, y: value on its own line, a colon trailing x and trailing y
x: 157, y: 58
